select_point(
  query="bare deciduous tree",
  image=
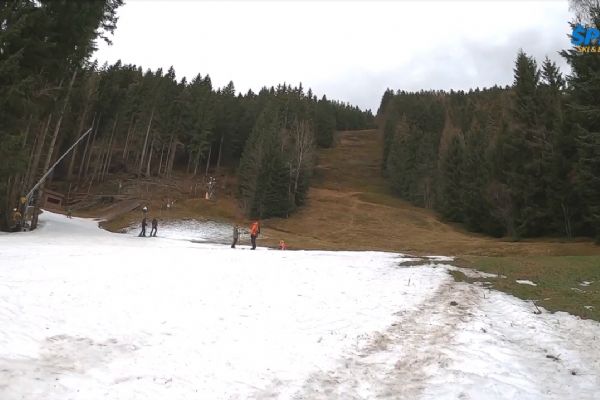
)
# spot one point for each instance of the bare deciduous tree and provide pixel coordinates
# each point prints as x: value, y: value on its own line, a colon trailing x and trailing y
x: 303, y: 150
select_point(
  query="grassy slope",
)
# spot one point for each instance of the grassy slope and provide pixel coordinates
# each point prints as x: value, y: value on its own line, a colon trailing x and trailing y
x: 350, y: 207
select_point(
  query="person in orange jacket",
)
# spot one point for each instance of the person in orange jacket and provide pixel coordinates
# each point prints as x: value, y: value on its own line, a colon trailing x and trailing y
x: 254, y: 231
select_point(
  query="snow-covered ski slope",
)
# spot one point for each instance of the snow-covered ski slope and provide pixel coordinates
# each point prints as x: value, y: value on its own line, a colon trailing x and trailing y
x: 86, y: 314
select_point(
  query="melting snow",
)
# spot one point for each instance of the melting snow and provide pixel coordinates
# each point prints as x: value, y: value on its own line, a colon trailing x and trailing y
x: 525, y: 282
x: 88, y: 314
x: 192, y: 230
x: 472, y: 273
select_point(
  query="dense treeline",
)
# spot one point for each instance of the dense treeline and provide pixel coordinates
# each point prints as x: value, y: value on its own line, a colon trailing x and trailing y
x: 521, y: 161
x: 144, y: 122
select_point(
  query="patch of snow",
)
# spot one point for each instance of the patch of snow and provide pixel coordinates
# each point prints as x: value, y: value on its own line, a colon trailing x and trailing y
x: 588, y: 307
x: 192, y: 230
x: 89, y: 314
x: 525, y: 282
x: 404, y: 260
x: 473, y: 273
x: 586, y: 283
x: 440, y: 258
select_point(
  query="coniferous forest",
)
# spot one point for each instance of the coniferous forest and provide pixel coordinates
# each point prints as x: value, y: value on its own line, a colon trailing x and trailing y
x: 521, y: 161
x: 144, y: 122
x: 518, y: 161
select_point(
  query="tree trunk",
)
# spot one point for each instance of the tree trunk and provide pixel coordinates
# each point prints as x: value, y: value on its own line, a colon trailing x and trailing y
x: 150, y: 156
x: 129, y: 130
x: 85, y: 163
x: 6, y: 222
x: 567, y: 220
x: 99, y: 161
x: 220, y: 151
x: 27, y: 129
x: 189, y: 165
x: 33, y: 168
x: 170, y: 156
x: 145, y: 143
x: 74, y: 154
x: 51, y: 147
x: 207, y: 160
x: 109, y: 150
x: 197, y: 162
x: 59, y: 123
x: 160, y: 163
x: 25, y: 179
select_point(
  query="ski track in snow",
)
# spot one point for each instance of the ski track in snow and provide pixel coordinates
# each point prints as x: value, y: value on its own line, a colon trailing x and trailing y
x: 86, y: 314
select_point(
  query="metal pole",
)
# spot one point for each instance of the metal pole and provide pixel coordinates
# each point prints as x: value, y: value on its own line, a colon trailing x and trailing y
x: 43, y: 178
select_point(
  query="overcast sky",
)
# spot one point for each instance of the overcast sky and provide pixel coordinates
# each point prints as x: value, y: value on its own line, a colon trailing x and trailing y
x: 349, y: 50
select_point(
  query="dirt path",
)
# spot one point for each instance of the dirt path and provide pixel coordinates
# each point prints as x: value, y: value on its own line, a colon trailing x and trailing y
x: 399, y: 362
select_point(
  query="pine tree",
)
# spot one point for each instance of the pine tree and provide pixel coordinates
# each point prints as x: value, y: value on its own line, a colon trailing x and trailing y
x: 584, y: 91
x: 452, y: 182
x: 524, y: 151
x: 258, y: 177
x: 325, y: 123
x: 475, y: 179
x: 389, y: 133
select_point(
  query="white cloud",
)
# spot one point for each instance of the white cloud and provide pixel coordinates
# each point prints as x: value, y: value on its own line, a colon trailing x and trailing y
x: 349, y: 50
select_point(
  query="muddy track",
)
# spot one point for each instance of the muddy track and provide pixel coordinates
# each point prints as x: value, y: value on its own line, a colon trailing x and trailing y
x: 398, y: 362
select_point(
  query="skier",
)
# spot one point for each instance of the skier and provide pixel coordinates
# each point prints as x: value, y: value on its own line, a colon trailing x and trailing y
x: 143, y: 232
x: 236, y: 235
x: 282, y: 245
x: 254, y: 231
x: 69, y: 213
x: 154, y: 227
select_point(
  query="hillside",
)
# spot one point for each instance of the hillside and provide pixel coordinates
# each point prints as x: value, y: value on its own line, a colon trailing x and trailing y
x: 350, y: 207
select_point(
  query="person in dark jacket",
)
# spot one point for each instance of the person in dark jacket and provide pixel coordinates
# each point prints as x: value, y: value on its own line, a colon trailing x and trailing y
x: 143, y: 232
x: 236, y: 235
x: 154, y: 227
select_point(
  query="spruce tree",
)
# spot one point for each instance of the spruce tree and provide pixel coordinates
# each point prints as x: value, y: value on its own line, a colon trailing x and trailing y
x: 325, y: 123
x: 452, y: 182
x: 584, y: 92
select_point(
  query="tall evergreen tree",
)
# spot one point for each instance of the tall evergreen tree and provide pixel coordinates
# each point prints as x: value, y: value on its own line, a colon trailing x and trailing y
x: 452, y: 182
x: 584, y: 92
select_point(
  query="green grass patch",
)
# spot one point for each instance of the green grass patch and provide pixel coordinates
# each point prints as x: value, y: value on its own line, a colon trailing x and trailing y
x: 561, y: 280
x: 460, y: 277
